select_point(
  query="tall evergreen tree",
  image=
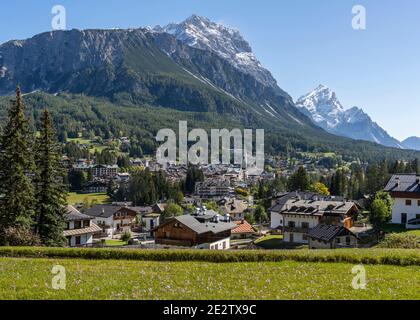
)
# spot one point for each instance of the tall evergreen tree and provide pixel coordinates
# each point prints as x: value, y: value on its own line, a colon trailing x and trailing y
x: 50, y: 190
x: 16, y: 170
x: 299, y: 181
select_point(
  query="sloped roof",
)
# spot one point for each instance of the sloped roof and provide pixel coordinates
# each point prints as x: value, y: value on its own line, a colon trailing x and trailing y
x: 243, y: 227
x: 102, y: 210
x: 404, y: 183
x: 74, y: 214
x: 314, y: 207
x: 235, y: 206
x: 204, y: 227
x: 78, y: 232
x: 327, y: 233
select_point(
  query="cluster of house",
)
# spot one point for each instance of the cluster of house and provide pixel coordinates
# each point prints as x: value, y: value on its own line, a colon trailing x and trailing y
x: 202, y: 229
x: 100, y: 175
x: 303, y: 218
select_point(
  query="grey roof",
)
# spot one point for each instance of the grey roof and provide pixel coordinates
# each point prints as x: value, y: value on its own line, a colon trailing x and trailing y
x: 102, y: 210
x: 404, y: 183
x: 74, y: 214
x: 200, y: 228
x: 282, y: 198
x: 327, y: 232
x: 316, y: 207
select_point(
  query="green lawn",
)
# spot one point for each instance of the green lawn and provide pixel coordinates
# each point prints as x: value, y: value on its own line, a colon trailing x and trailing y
x: 99, y: 198
x: 26, y: 278
x: 270, y: 242
x: 115, y: 243
x: 397, y: 228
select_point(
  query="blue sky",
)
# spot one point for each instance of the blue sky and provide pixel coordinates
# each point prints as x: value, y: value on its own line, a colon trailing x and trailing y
x: 302, y: 42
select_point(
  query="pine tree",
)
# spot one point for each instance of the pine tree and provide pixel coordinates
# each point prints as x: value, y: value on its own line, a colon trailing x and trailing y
x: 50, y: 190
x: 16, y: 170
x: 299, y: 181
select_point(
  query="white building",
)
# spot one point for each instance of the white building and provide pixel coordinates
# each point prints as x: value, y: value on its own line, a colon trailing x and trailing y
x: 113, y: 219
x: 80, y: 228
x: 405, y: 191
x: 151, y: 221
x: 298, y: 216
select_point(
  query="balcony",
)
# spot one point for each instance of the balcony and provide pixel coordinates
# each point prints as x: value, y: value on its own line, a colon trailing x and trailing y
x: 296, y: 229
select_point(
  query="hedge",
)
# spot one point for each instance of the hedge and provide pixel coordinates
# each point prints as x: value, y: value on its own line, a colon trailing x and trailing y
x: 398, y: 257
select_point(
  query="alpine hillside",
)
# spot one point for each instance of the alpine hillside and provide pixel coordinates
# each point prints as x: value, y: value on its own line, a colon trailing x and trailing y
x: 196, y: 70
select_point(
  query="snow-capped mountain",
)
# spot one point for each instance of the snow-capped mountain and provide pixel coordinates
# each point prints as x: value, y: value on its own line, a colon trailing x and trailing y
x: 325, y: 110
x: 200, y: 32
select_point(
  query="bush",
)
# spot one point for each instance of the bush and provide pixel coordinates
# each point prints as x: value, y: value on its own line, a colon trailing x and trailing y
x: 126, y: 236
x: 400, y: 257
x: 401, y: 241
x: 15, y: 236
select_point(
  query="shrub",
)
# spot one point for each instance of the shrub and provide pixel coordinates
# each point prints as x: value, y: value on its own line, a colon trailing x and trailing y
x: 15, y: 236
x: 126, y: 236
x: 401, y: 241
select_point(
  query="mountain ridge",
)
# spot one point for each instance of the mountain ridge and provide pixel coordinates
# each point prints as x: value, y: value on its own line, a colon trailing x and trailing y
x: 144, y: 68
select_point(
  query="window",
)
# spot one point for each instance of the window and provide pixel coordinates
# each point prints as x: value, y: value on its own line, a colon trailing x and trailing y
x: 418, y: 203
x: 78, y: 224
x: 86, y: 223
x: 291, y: 224
x: 305, y: 225
x: 408, y: 202
x: 78, y: 241
x: 305, y: 237
x: 348, y: 240
x: 403, y: 218
x: 338, y: 240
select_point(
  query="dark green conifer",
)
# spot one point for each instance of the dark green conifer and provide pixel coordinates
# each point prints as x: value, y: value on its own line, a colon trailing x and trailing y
x: 50, y: 190
x: 16, y: 170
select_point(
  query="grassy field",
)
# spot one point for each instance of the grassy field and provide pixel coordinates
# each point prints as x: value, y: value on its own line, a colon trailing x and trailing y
x: 90, y: 279
x: 99, y: 198
x: 93, y: 147
x: 270, y: 242
x: 115, y: 243
x: 396, y: 228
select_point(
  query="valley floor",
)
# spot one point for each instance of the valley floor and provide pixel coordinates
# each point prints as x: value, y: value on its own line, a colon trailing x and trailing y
x: 31, y: 278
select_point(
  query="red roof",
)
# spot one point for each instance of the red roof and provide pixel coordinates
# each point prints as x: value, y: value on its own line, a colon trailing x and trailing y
x: 243, y: 227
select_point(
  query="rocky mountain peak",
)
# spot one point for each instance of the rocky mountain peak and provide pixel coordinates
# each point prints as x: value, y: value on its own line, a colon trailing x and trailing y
x: 326, y: 111
x: 202, y: 33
